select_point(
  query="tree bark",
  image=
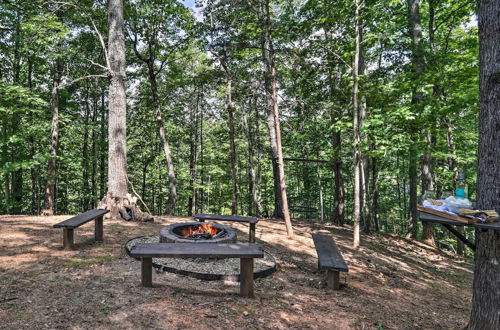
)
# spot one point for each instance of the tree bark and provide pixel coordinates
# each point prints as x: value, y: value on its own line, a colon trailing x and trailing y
x: 172, y: 182
x: 117, y: 119
x: 50, y: 188
x: 418, y: 69
x: 232, y: 143
x: 273, y: 112
x: 485, y: 313
x: 254, y: 200
x: 356, y: 127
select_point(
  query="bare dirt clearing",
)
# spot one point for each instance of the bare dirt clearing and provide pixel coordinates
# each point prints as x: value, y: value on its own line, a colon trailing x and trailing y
x: 392, y: 283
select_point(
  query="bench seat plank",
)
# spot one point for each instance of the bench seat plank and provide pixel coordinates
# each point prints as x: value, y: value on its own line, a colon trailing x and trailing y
x: 235, y: 218
x: 329, y: 256
x: 192, y: 250
x: 80, y: 219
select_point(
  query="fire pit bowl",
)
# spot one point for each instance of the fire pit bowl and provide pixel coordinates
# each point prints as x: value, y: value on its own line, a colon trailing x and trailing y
x: 197, y: 232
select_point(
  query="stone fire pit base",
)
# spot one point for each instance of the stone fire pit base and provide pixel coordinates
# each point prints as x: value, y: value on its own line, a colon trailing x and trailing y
x: 206, y: 269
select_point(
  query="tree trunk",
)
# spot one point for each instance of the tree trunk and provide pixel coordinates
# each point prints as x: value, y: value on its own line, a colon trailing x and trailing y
x: 102, y: 148
x: 254, y: 200
x: 273, y: 112
x: 85, y: 155
x: 485, y: 313
x: 117, y: 119
x: 50, y: 188
x: 418, y: 69
x: 232, y: 142
x: 172, y: 182
x: 427, y: 178
x: 357, y: 122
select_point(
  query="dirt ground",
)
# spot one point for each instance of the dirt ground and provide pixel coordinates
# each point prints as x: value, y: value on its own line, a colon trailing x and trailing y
x: 392, y: 283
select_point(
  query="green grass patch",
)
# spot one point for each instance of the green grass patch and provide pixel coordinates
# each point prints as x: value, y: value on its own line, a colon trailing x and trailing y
x: 72, y: 263
x: 116, y: 229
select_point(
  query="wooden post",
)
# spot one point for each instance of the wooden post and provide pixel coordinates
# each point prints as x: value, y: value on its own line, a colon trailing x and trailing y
x: 99, y: 229
x: 246, y: 277
x: 333, y: 279
x: 147, y: 272
x: 251, y: 237
x: 68, y: 243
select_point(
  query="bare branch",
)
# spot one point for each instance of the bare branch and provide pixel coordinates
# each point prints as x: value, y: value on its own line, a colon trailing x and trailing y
x: 69, y: 83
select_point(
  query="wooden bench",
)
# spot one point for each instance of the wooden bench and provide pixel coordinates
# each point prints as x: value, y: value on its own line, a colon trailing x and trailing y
x: 329, y: 258
x: 76, y: 221
x: 251, y: 220
x: 245, y: 251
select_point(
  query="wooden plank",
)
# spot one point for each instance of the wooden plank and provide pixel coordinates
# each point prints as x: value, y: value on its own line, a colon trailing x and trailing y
x: 80, y: 219
x: 68, y: 243
x: 246, y: 277
x: 329, y: 256
x: 235, y: 218
x: 147, y: 272
x: 191, y: 250
x: 450, y: 216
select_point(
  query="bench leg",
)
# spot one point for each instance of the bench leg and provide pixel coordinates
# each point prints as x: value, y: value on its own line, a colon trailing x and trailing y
x: 246, y: 277
x: 251, y: 237
x: 147, y: 272
x: 68, y: 243
x: 99, y: 229
x: 333, y: 280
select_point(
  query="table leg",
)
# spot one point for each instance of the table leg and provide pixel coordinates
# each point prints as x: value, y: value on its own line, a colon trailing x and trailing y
x: 147, y: 272
x: 333, y: 279
x: 251, y: 233
x: 99, y: 229
x: 68, y: 243
x: 460, y: 236
x: 246, y: 277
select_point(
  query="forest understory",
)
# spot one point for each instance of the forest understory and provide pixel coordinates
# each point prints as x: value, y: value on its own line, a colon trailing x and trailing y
x: 392, y: 283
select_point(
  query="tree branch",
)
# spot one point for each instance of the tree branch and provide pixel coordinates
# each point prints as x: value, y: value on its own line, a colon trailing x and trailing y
x: 69, y: 83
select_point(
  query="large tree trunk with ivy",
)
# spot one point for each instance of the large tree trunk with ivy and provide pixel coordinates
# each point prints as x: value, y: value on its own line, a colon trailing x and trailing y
x: 485, y: 313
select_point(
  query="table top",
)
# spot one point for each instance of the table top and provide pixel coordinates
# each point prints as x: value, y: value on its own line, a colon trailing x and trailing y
x: 437, y: 219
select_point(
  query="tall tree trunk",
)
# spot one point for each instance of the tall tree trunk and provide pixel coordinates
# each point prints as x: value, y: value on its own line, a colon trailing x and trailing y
x: 418, y: 69
x: 102, y: 148
x: 273, y: 111
x: 485, y: 313
x: 232, y: 142
x: 172, y: 182
x: 117, y: 119
x: 357, y: 122
x: 427, y: 178
x: 85, y: 155
x: 254, y: 200
x: 50, y: 188
x: 193, y: 158
x: 94, y: 154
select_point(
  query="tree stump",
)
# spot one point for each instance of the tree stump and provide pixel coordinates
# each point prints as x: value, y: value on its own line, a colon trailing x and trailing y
x: 124, y: 207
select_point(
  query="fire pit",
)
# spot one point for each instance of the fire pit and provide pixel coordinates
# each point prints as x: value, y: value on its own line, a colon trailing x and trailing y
x: 197, y: 232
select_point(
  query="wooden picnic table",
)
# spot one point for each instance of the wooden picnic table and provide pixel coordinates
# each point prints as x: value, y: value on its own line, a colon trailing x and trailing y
x: 252, y: 221
x: 448, y: 223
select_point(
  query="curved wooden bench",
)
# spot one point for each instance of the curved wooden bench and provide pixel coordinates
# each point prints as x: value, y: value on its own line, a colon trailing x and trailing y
x: 244, y: 251
x: 70, y: 224
x: 329, y: 258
